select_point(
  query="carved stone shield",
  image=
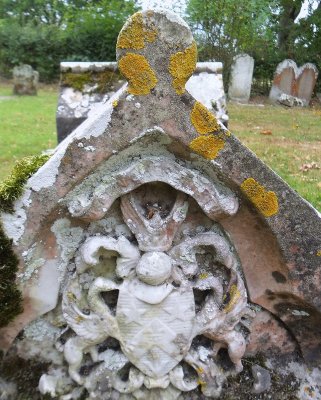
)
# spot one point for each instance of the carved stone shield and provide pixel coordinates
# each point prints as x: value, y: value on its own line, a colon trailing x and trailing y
x: 156, y: 325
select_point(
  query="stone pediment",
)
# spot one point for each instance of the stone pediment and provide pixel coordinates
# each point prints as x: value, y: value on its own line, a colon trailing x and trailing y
x: 154, y: 167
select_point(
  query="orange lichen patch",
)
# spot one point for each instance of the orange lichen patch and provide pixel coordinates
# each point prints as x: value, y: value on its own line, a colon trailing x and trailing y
x: 266, y: 202
x: 182, y: 66
x: 207, y: 146
x: 234, y: 296
x: 136, y: 33
x: 203, y: 120
x: 138, y: 72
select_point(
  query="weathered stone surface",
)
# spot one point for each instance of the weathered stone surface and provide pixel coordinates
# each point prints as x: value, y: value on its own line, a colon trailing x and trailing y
x: 206, y: 86
x: 293, y: 86
x: 152, y: 238
x: 25, y: 80
x: 85, y: 85
x: 241, y: 78
x: 262, y: 378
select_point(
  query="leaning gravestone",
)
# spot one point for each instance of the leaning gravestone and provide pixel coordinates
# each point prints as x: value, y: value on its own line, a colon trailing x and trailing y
x: 157, y: 253
x: 25, y: 80
x: 293, y: 85
x: 85, y: 85
x: 241, y: 78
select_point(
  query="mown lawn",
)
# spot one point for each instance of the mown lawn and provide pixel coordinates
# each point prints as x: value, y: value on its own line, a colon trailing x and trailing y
x: 292, y: 148
x: 27, y: 125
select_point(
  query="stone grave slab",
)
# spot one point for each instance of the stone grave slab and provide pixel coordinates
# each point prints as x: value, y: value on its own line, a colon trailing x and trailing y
x: 157, y: 253
x: 293, y: 85
x: 241, y: 78
x: 25, y: 80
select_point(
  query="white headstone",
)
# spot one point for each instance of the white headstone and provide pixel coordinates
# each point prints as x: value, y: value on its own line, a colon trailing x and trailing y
x: 206, y: 85
x: 241, y: 78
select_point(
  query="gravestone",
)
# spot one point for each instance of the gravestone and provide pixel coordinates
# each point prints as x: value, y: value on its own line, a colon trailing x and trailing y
x: 157, y: 253
x: 206, y: 86
x: 293, y: 85
x: 241, y: 78
x: 25, y: 80
x: 85, y: 85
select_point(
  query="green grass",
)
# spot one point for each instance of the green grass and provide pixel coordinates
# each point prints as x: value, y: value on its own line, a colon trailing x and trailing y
x: 295, y: 141
x: 27, y: 127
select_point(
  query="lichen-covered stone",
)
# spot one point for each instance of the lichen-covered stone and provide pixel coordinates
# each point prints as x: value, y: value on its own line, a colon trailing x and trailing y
x: 142, y: 183
x: 140, y: 76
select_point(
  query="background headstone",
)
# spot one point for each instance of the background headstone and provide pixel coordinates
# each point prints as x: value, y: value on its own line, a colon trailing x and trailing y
x: 83, y: 86
x: 241, y: 78
x: 25, y: 80
x: 293, y: 85
x: 206, y: 85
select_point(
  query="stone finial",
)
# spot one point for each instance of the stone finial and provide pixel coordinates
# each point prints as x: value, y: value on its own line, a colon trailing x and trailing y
x: 156, y: 50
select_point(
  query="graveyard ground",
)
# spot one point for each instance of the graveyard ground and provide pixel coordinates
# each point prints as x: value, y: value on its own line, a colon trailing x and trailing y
x: 288, y: 140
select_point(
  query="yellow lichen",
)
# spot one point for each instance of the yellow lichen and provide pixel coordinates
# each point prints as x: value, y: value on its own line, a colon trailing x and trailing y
x: 115, y: 103
x: 182, y: 66
x: 234, y: 296
x: 136, y: 33
x: 203, y: 275
x: 138, y: 72
x: 207, y: 146
x: 71, y: 296
x: 203, y: 120
x: 319, y: 253
x: 79, y: 319
x: 265, y: 201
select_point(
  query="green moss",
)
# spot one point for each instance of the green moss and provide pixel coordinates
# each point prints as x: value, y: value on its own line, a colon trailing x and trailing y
x: 104, y: 80
x: 10, y: 190
x: 10, y: 296
x: 12, y: 187
x: 25, y: 374
x: 76, y: 81
x: 240, y: 386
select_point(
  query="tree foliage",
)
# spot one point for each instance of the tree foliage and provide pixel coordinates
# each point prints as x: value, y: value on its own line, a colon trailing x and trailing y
x: 268, y: 30
x: 44, y: 33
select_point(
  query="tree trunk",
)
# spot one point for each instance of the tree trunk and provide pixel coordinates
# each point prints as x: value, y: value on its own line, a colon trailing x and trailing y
x: 290, y: 9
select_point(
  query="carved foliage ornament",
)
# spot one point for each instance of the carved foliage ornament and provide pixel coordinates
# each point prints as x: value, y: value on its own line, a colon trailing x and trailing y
x: 153, y: 324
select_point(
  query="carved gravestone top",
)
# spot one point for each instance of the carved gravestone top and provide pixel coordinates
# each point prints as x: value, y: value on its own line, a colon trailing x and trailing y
x: 156, y: 250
